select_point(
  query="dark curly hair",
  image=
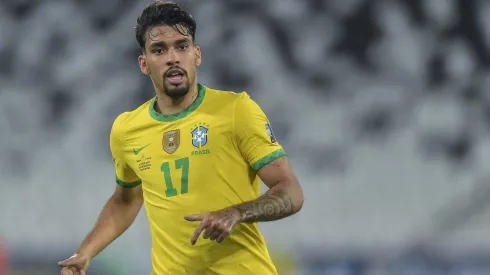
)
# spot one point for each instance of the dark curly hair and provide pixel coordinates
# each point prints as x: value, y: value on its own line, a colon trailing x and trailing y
x: 164, y: 13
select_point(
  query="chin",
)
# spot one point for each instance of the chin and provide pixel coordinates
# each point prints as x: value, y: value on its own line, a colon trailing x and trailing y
x: 177, y: 91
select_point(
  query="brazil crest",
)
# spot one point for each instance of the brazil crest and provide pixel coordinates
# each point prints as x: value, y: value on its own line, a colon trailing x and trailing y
x: 199, y: 136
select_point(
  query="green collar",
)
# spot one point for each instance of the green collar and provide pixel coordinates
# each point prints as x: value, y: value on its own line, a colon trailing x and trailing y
x: 173, y: 117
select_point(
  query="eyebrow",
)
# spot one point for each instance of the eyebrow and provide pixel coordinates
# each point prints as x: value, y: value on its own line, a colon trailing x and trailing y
x: 182, y: 40
x: 158, y: 44
x: 164, y: 44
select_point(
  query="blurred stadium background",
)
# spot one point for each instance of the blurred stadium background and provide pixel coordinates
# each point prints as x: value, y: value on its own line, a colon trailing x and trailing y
x: 383, y: 107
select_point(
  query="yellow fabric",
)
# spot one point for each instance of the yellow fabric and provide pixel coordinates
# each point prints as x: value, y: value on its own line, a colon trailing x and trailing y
x: 200, y: 160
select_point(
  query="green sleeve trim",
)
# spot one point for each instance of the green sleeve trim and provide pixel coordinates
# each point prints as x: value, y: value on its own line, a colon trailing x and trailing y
x: 128, y: 184
x: 268, y: 159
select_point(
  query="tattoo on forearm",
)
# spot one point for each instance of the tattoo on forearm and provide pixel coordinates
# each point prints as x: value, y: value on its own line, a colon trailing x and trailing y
x: 273, y: 205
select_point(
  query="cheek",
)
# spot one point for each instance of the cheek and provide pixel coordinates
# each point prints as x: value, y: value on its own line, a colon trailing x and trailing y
x: 191, y: 71
x: 154, y: 67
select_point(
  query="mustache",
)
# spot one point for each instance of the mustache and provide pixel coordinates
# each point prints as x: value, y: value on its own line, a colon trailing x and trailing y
x: 174, y: 68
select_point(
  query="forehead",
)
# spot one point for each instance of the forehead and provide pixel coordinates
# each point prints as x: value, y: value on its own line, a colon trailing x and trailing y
x: 165, y: 34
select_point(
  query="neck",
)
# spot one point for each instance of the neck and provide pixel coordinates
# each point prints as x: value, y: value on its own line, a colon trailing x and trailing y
x: 167, y: 105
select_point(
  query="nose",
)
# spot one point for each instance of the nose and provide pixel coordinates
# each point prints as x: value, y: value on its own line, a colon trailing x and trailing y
x: 173, y: 58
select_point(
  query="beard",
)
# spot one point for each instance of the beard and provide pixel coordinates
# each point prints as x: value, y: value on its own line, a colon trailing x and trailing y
x: 176, y: 92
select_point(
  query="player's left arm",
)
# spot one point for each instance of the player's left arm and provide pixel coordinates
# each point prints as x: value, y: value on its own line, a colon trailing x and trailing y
x: 259, y: 147
x: 283, y: 199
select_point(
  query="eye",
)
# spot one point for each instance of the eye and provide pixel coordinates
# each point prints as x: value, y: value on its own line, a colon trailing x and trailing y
x: 157, y: 51
x: 183, y: 47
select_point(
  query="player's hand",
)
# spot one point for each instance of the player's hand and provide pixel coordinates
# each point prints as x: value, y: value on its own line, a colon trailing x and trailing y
x: 75, y: 265
x: 217, y: 225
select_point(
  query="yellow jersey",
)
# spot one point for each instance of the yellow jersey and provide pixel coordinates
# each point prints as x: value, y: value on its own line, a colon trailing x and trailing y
x: 202, y: 159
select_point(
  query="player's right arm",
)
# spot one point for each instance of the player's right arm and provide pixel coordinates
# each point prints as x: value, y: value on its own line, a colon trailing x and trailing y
x: 118, y: 213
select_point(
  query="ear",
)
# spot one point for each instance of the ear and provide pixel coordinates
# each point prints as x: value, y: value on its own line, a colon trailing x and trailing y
x: 197, y: 53
x: 145, y: 69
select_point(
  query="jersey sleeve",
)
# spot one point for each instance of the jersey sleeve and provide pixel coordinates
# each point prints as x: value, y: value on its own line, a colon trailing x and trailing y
x: 125, y: 176
x: 254, y: 136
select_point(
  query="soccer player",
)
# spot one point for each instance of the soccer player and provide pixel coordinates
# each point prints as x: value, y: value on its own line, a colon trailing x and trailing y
x: 195, y: 157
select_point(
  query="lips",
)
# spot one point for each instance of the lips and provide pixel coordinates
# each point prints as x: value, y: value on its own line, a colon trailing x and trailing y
x: 174, y: 72
x: 175, y: 76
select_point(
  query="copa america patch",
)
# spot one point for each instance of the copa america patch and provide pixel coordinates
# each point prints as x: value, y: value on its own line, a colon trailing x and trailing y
x: 268, y: 128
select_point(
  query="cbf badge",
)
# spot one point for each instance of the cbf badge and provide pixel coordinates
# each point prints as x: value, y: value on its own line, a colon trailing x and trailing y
x: 200, y: 135
x: 171, y: 141
x: 268, y: 128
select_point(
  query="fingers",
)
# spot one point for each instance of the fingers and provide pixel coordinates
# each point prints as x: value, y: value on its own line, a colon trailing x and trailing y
x: 67, y: 271
x: 198, y: 232
x: 215, y: 226
x: 69, y: 262
x: 227, y: 229
x: 194, y: 218
x: 214, y: 235
x: 209, y: 230
x: 222, y: 237
x: 214, y: 231
x: 66, y: 263
x: 71, y: 271
x: 73, y: 266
